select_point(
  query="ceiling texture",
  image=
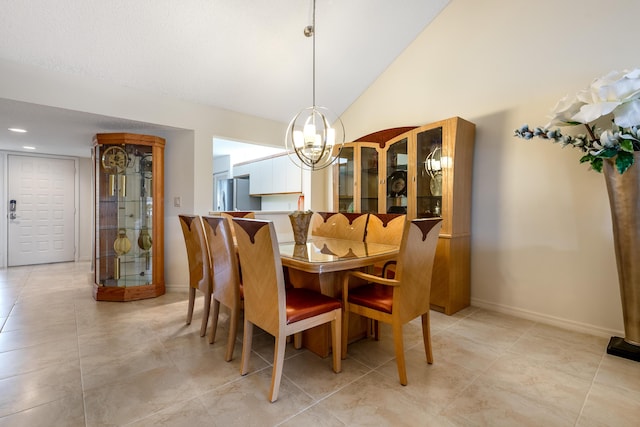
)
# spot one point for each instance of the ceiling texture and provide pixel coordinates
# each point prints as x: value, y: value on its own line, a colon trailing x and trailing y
x: 248, y: 56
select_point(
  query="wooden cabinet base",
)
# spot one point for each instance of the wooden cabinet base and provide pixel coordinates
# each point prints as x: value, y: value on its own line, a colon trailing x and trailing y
x: 318, y: 339
x: 115, y: 293
x: 450, y: 290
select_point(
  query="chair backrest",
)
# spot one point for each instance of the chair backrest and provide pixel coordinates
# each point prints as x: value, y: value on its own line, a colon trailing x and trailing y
x: 229, y: 215
x: 197, y: 252
x: 385, y: 228
x: 340, y: 225
x: 415, y: 267
x: 224, y: 261
x: 262, y: 275
x: 238, y: 214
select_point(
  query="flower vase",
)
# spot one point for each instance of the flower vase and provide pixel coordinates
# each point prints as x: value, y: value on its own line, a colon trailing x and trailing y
x: 624, y: 199
x: 300, y: 224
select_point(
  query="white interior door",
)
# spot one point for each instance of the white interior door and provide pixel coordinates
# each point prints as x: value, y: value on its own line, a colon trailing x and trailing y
x: 42, y: 227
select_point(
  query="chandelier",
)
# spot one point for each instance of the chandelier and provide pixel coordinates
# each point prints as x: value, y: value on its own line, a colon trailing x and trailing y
x: 315, y: 136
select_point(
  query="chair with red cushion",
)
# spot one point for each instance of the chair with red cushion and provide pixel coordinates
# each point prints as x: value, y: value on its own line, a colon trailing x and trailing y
x: 403, y: 298
x: 386, y: 229
x: 225, y: 273
x: 199, y: 266
x: 229, y: 215
x: 267, y: 304
x: 340, y: 225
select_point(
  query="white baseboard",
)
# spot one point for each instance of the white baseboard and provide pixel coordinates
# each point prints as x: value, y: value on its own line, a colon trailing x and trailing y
x: 176, y: 287
x: 548, y: 320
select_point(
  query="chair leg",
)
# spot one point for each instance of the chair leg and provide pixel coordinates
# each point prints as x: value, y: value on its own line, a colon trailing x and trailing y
x: 426, y: 337
x: 398, y: 344
x: 192, y: 300
x: 233, y: 330
x: 345, y: 332
x: 214, y: 321
x: 336, y: 342
x: 247, y: 337
x: 297, y: 340
x: 205, y: 315
x: 278, y: 361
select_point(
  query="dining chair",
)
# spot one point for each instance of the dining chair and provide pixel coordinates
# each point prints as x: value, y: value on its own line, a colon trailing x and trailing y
x: 199, y: 266
x: 386, y: 229
x: 227, y: 289
x: 340, y: 225
x: 267, y: 304
x: 229, y: 215
x: 403, y: 298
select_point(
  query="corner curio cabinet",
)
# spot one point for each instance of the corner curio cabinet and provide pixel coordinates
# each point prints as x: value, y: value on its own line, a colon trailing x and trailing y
x: 422, y: 172
x: 128, y: 217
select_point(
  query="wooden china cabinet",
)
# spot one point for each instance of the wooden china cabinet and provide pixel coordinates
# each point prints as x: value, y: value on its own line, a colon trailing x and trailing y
x: 129, y: 216
x: 423, y: 172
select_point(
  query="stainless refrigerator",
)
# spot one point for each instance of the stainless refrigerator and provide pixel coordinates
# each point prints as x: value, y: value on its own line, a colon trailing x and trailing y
x: 233, y: 195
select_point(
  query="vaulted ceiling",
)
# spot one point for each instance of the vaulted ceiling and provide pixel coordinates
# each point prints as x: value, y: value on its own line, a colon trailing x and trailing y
x: 248, y: 56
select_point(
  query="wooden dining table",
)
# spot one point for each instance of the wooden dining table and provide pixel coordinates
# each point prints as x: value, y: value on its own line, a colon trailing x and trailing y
x: 321, y: 264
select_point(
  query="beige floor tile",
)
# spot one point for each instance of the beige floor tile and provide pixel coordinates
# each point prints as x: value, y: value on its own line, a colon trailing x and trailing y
x: 191, y: 413
x: 5, y: 309
x: 245, y: 402
x: 568, y: 336
x: 25, y: 391
x: 315, y: 375
x: 463, y: 352
x: 38, y: 356
x: 579, y: 359
x: 137, y: 397
x: 314, y: 416
x: 620, y: 373
x: 208, y: 370
x: 19, y: 338
x: 610, y: 406
x: 501, y: 320
x: 517, y: 390
x: 65, y: 412
x: 438, y: 383
x: 377, y: 400
x: 489, y: 333
x: 107, y: 367
x: 114, y: 341
x: 488, y: 404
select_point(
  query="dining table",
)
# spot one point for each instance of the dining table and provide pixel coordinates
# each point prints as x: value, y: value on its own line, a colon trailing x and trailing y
x: 320, y: 264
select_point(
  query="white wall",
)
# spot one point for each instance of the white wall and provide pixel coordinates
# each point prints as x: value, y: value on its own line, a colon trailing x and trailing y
x: 541, y: 228
x: 85, y: 214
x: 188, y: 154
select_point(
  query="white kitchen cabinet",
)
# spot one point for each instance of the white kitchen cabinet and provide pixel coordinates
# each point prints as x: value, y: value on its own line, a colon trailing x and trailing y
x: 261, y: 177
x: 241, y: 169
x: 287, y: 177
x: 273, y: 175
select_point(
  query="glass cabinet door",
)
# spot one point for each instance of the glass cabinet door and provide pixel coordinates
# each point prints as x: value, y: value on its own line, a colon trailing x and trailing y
x: 368, y: 179
x: 397, y: 180
x: 124, y: 223
x: 429, y: 173
x: 346, y: 170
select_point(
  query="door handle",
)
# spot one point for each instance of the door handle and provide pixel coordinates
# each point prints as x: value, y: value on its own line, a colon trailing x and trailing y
x: 12, y: 209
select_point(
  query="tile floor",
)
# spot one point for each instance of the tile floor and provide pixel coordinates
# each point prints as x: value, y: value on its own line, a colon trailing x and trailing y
x: 67, y: 360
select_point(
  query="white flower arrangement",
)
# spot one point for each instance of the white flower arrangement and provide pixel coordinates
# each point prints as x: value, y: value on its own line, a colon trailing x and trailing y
x: 616, y: 94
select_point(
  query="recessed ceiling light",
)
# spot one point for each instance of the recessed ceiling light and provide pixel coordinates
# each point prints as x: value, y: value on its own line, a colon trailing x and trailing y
x: 18, y: 130
x: 28, y: 147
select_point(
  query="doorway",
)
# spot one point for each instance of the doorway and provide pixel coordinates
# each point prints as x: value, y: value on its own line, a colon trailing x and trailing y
x: 41, y: 205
